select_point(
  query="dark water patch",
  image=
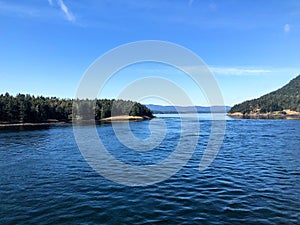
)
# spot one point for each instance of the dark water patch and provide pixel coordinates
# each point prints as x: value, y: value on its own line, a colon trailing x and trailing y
x: 255, y: 178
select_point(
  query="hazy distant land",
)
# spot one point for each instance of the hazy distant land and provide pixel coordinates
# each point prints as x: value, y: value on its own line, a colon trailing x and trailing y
x: 187, y: 109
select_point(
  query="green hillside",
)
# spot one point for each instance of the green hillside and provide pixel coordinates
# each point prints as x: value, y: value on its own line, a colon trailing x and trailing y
x: 285, y: 98
x: 29, y: 108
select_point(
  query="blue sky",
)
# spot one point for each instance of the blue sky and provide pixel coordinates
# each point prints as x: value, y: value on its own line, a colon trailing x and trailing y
x: 252, y: 47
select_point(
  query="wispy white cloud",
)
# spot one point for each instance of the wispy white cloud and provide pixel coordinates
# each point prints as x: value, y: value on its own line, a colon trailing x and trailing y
x: 191, y: 2
x: 253, y: 71
x: 50, y: 2
x: 64, y: 9
x: 213, y: 7
x: 67, y: 12
x: 230, y: 71
x: 19, y: 10
x: 239, y: 71
x: 30, y: 10
x: 287, y: 28
x: 217, y: 70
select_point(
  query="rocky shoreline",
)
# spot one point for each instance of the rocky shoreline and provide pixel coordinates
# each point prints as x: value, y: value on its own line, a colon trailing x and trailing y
x: 54, y: 122
x: 20, y: 124
x: 283, y: 115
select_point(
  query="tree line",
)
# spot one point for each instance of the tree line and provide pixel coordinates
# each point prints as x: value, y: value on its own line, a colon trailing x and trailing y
x: 287, y: 97
x: 28, y: 108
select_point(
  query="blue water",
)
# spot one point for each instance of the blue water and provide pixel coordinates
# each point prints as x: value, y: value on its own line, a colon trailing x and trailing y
x: 255, y: 178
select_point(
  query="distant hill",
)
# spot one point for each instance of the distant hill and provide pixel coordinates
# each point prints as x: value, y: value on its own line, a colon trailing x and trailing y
x: 186, y: 109
x: 282, y: 100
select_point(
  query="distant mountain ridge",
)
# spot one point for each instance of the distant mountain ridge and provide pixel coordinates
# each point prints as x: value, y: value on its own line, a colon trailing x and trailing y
x: 187, y: 109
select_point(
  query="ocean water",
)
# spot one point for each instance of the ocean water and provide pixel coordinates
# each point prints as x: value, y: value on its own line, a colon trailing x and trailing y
x: 254, y: 179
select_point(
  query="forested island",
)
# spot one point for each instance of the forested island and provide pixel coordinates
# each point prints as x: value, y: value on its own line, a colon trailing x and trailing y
x: 283, y: 103
x: 25, y: 108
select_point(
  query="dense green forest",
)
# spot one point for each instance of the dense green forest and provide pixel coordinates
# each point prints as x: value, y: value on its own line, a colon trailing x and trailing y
x: 287, y: 97
x: 28, y: 108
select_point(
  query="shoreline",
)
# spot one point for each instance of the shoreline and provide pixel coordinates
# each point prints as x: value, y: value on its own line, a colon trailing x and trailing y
x: 31, y: 124
x: 278, y: 115
x: 48, y: 123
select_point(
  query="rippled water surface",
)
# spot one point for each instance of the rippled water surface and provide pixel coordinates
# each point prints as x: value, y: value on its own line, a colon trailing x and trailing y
x: 255, y: 178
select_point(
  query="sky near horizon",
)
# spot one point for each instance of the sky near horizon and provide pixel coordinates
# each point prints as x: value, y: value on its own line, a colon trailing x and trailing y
x: 251, y: 47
